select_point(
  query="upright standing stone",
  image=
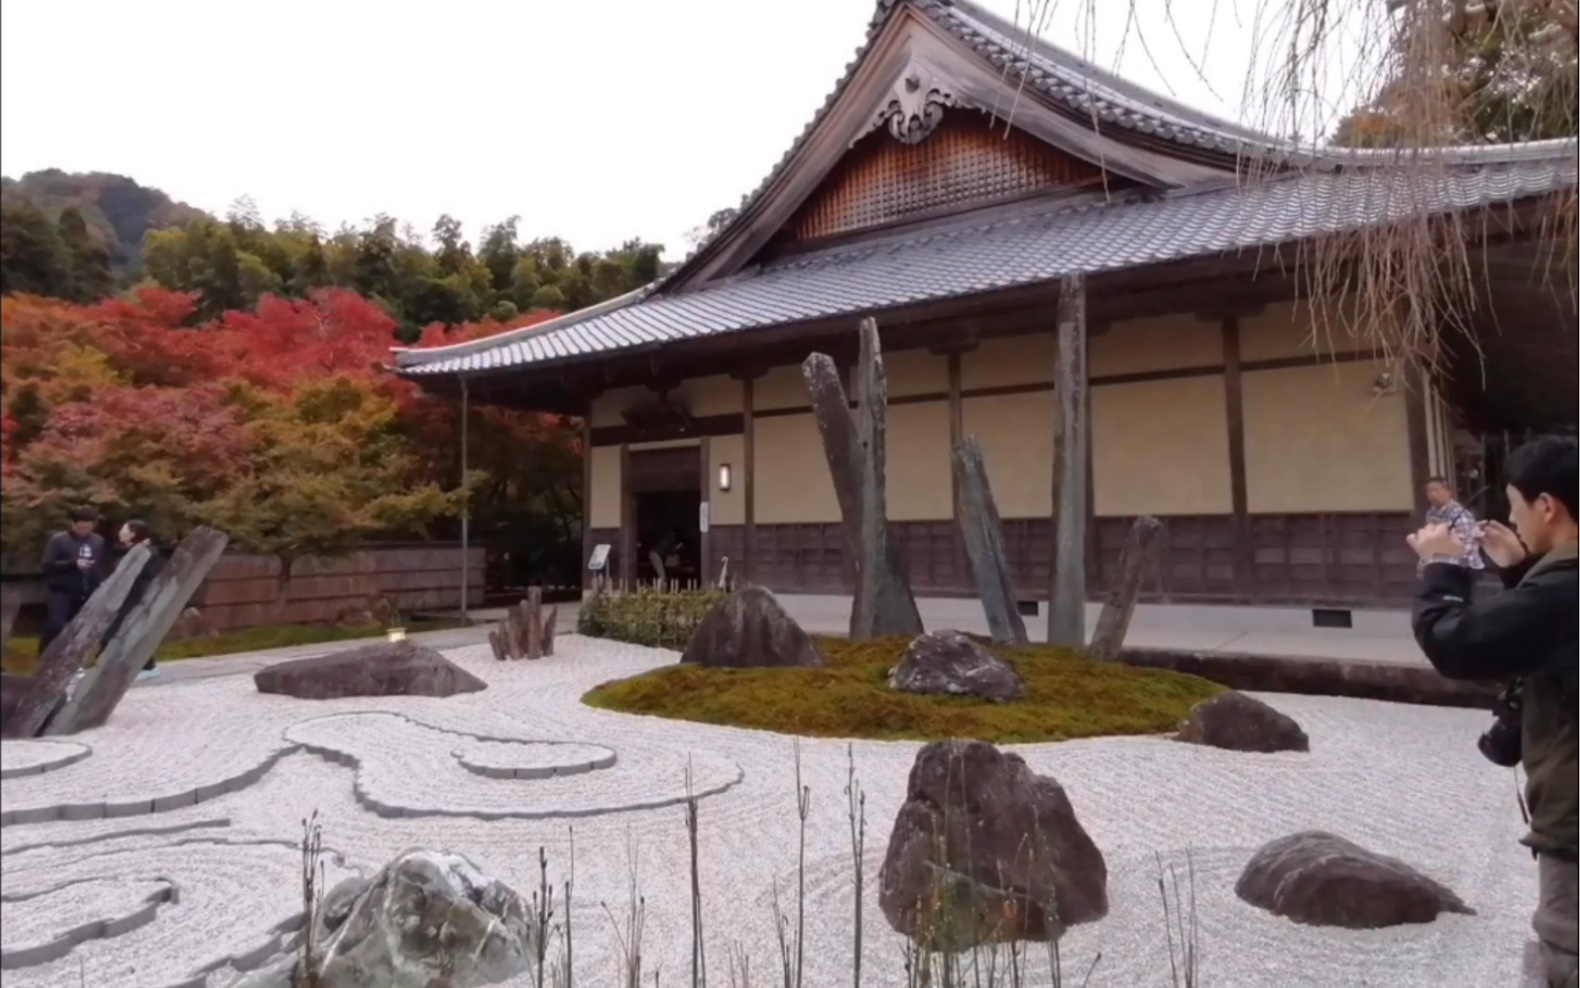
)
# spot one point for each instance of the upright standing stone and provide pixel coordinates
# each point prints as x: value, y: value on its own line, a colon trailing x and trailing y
x: 855, y: 449
x: 983, y: 534
x: 1067, y: 589
x: 10, y: 603
x: 1134, y: 560
x: 125, y: 655
x: 67, y: 654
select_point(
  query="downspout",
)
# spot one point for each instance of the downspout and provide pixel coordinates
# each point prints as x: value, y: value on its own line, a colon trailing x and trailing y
x: 466, y: 505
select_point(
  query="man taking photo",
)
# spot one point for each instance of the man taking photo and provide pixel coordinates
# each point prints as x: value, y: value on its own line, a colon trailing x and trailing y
x: 1528, y: 636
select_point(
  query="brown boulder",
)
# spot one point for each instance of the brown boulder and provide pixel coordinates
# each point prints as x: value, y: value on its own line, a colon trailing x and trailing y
x: 984, y: 850
x: 1237, y: 722
x: 749, y: 629
x: 1318, y: 879
x: 949, y: 663
x: 402, y: 668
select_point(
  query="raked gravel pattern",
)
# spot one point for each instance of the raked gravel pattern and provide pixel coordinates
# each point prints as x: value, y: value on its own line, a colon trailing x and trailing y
x: 1401, y: 780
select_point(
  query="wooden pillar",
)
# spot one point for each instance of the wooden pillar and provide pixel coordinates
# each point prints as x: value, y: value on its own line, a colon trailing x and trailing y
x: 587, y: 495
x: 705, y: 510
x: 627, y: 518
x: 1234, y: 415
x: 1415, y: 388
x: 1071, y: 440
x: 749, y: 481
x: 957, y: 560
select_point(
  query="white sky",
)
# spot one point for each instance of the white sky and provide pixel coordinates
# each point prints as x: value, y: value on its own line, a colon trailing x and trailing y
x: 595, y: 121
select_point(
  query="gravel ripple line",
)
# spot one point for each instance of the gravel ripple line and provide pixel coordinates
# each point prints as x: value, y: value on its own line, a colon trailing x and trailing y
x: 38, y: 755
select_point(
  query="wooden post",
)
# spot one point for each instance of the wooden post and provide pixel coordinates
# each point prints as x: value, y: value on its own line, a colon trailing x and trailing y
x: 1135, y: 559
x: 1067, y: 585
x: 983, y: 535
x: 707, y: 486
x: 141, y: 634
x: 66, y: 655
x: 748, y: 563
x: 587, y: 495
x: 854, y: 447
x: 1234, y: 413
x: 627, y: 543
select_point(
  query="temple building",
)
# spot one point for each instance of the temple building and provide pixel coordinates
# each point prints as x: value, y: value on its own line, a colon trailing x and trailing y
x: 1284, y: 453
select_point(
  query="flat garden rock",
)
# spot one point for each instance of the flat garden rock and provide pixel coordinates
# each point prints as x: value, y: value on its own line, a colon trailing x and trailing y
x: 984, y: 850
x: 1319, y: 879
x: 402, y: 668
x: 949, y: 663
x: 1237, y: 722
x: 750, y: 629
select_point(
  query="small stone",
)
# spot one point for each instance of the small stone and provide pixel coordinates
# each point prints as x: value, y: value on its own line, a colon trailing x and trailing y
x: 402, y: 668
x: 750, y: 629
x: 950, y: 663
x: 1236, y: 722
x: 984, y: 850
x: 1319, y: 879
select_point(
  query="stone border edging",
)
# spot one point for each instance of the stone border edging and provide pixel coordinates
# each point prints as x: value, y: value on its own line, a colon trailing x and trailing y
x: 539, y: 772
x: 1361, y: 680
x: 390, y: 811
x: 99, y: 929
x: 83, y: 751
x: 113, y: 809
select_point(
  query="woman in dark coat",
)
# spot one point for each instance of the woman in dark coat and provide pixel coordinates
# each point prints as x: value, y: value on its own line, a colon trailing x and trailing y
x: 135, y: 533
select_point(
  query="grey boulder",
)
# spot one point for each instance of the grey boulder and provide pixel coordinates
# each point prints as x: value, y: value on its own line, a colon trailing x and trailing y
x: 1319, y: 879
x: 750, y: 629
x: 950, y: 663
x: 429, y: 919
x: 1236, y: 722
x: 983, y: 850
x: 402, y: 668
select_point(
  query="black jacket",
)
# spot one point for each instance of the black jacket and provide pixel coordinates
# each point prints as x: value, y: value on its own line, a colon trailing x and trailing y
x: 61, y: 573
x: 1530, y: 630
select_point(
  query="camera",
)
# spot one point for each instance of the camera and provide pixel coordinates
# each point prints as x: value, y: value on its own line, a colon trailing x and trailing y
x: 1501, y: 745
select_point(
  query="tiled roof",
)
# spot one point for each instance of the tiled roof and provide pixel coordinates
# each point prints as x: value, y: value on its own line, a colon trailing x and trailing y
x: 964, y: 259
x: 1091, y: 92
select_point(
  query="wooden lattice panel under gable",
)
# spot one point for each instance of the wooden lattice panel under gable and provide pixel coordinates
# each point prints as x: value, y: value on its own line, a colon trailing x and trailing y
x: 968, y: 160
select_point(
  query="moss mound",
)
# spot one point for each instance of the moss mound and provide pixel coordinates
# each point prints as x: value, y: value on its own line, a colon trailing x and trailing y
x: 1067, y: 696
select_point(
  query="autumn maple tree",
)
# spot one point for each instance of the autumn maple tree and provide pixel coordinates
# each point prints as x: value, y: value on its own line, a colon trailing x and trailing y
x: 281, y: 425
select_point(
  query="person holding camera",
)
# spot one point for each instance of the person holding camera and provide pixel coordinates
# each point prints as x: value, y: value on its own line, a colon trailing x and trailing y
x: 1528, y: 636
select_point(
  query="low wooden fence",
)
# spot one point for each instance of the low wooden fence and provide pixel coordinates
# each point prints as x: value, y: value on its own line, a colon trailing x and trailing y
x: 242, y: 591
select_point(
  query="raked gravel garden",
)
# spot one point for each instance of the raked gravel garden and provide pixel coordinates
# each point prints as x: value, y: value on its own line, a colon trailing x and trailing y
x: 172, y: 836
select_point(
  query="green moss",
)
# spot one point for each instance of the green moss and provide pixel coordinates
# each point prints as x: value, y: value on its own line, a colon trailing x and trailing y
x: 1067, y: 696
x: 21, y: 654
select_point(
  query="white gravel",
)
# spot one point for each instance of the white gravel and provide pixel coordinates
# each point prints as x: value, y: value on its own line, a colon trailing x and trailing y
x: 1401, y: 780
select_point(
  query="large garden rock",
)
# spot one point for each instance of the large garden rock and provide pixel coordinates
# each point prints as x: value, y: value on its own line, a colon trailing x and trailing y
x: 402, y: 668
x: 983, y: 850
x: 428, y: 919
x: 1322, y: 880
x: 1242, y: 723
x: 949, y: 663
x: 750, y: 629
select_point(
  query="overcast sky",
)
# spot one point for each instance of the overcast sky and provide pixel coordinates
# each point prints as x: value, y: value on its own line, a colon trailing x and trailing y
x: 595, y: 121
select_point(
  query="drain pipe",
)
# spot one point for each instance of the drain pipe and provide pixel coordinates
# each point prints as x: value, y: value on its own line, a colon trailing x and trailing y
x: 466, y: 506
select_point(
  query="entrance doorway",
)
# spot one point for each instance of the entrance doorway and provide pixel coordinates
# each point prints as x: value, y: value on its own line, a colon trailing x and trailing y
x: 665, y: 491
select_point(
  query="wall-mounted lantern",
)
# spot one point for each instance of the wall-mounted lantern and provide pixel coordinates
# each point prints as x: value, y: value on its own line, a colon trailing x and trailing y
x: 724, y: 476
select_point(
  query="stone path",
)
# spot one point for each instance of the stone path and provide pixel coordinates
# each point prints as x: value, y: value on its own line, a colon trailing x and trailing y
x: 209, y: 781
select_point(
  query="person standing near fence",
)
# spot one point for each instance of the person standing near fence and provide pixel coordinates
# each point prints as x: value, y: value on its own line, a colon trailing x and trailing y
x: 73, y: 565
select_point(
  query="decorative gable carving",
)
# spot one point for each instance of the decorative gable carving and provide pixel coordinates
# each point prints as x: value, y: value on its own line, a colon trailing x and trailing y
x: 954, y: 163
x: 915, y: 105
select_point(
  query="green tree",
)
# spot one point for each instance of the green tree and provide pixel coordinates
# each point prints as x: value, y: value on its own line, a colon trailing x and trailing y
x: 91, y: 278
x: 32, y: 257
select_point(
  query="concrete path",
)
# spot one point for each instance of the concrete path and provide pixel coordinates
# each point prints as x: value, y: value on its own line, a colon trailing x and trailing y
x: 1377, y: 637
